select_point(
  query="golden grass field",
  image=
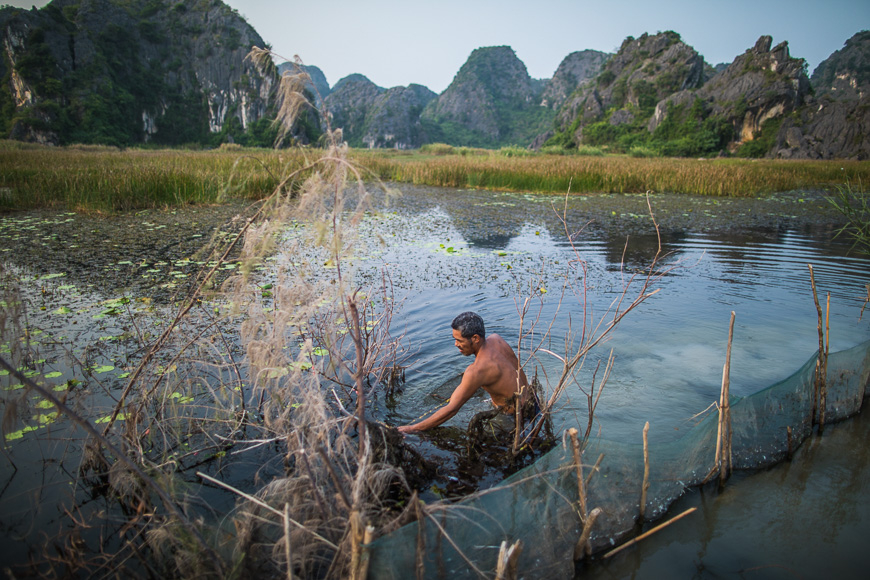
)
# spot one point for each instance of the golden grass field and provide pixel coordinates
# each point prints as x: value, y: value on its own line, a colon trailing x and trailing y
x: 102, y: 179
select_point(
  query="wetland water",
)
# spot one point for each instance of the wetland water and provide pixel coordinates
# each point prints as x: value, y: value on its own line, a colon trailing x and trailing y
x: 448, y: 251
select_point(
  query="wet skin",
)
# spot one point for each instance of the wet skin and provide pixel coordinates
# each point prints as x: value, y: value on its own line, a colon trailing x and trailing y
x: 494, y: 370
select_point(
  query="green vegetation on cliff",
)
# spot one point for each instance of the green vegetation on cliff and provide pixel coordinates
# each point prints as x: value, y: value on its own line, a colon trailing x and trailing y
x: 126, y: 72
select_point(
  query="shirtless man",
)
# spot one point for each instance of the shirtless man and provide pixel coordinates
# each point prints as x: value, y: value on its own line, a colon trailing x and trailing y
x: 494, y: 370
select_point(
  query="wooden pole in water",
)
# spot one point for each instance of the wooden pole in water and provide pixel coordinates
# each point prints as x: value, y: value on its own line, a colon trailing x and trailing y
x: 356, y: 537
x: 506, y: 569
x: 368, y: 537
x: 578, y: 467
x: 583, y: 547
x: 820, y: 378
x: 726, y: 401
x: 823, y: 387
x: 645, y: 487
x: 649, y: 533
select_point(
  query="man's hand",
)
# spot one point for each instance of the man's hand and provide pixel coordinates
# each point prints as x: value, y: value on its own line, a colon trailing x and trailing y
x: 407, y: 429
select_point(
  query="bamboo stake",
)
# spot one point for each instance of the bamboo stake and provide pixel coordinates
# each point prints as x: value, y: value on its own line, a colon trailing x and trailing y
x: 645, y: 487
x: 578, y: 466
x: 649, y: 533
x: 726, y: 407
x: 823, y: 387
x: 583, y: 547
x: 506, y: 569
x: 356, y: 537
x: 368, y: 538
x: 820, y: 378
x: 287, y: 552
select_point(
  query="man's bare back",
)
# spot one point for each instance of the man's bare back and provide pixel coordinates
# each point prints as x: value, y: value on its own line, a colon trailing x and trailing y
x: 494, y: 370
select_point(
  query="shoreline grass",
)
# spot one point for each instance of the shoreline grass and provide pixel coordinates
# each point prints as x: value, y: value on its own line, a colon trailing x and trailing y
x: 102, y: 179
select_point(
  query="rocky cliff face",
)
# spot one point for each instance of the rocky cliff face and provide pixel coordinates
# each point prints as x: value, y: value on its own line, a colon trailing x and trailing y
x: 658, y: 93
x: 370, y: 116
x: 575, y: 70
x: 394, y: 118
x: 491, y: 101
x: 760, y: 85
x: 128, y: 71
x: 836, y: 122
x: 643, y: 71
x: 347, y: 105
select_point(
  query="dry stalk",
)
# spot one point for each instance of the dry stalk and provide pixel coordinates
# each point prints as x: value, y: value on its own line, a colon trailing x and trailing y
x: 583, y: 547
x: 648, y: 533
x: 578, y: 466
x: 506, y: 569
x: 820, y: 387
x: 645, y: 485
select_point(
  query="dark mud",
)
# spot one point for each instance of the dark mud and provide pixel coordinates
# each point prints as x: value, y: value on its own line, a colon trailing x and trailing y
x: 150, y: 252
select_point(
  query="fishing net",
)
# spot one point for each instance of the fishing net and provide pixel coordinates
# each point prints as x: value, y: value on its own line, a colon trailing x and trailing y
x: 539, y: 505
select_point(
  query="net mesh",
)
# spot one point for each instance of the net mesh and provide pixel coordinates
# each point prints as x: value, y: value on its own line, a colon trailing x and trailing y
x: 539, y: 505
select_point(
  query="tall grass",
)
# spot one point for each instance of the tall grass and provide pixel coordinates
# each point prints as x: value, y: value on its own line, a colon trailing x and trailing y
x: 103, y: 179
x: 618, y: 174
x: 106, y: 180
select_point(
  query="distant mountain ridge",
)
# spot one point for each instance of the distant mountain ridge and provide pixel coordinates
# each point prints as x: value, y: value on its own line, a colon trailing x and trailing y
x: 124, y: 72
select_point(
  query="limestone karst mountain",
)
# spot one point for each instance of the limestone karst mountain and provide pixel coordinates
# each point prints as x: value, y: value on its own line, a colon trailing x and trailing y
x: 122, y: 72
x: 492, y: 101
x: 127, y: 72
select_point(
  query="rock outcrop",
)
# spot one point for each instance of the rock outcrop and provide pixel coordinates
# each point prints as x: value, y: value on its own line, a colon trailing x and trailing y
x: 348, y: 104
x: 575, y: 70
x: 760, y: 85
x: 393, y: 121
x: 836, y: 122
x: 643, y: 71
x: 370, y: 116
x: 123, y: 72
x: 492, y: 101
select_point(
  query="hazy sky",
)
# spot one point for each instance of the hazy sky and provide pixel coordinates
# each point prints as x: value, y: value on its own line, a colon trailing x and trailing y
x: 398, y: 42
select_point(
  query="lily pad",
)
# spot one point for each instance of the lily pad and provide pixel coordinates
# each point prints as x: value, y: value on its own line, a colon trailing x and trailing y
x: 20, y: 433
x: 102, y: 369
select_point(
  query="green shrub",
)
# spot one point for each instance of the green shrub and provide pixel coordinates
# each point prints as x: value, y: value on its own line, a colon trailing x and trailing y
x: 590, y: 151
x: 641, y: 151
x: 553, y: 150
x: 437, y: 149
x: 515, y: 151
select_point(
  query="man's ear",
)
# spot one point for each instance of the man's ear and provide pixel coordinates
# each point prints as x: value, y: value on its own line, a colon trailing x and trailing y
x: 475, y: 339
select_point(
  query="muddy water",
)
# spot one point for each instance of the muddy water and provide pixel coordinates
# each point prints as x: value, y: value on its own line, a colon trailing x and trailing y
x: 447, y: 251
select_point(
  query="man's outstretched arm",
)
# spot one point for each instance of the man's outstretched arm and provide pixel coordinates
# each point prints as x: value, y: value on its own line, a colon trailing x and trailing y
x: 459, y: 397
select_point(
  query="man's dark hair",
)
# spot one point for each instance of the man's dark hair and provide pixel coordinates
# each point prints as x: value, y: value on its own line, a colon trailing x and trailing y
x: 468, y: 324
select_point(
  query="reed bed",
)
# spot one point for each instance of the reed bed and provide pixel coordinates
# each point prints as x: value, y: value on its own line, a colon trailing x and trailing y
x: 106, y: 180
x: 616, y: 174
x: 103, y: 179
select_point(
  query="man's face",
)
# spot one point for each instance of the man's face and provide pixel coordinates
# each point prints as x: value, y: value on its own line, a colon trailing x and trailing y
x: 463, y: 344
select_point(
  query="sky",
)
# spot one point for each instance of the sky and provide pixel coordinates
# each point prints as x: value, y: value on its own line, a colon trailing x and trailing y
x: 399, y: 42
